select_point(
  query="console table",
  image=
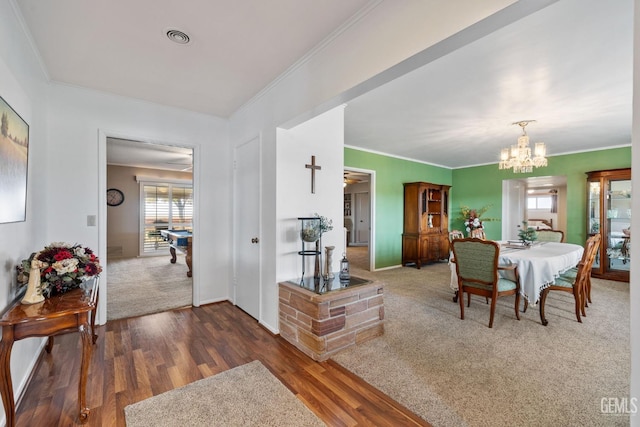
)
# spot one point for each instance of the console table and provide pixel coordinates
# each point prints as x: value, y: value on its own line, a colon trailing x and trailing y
x: 68, y: 312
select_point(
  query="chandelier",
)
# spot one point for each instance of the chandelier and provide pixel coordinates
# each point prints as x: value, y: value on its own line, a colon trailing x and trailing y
x: 519, y: 157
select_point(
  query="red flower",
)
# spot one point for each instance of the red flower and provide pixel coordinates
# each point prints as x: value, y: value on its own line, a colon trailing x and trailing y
x: 92, y: 269
x: 62, y: 254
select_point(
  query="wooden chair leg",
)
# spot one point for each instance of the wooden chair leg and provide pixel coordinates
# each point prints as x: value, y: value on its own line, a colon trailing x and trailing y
x: 468, y: 299
x: 577, y: 295
x: 518, y: 305
x: 461, y: 301
x: 493, y: 310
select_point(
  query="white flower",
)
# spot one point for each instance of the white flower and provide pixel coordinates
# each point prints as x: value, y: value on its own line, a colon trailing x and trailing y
x: 79, y: 252
x: 61, y: 245
x: 65, y: 266
x: 476, y: 222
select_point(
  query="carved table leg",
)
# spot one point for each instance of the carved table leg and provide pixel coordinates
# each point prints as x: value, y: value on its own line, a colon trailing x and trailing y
x: 85, y: 335
x: 172, y: 250
x: 93, y: 319
x: 188, y: 260
x: 6, y: 386
x: 543, y: 299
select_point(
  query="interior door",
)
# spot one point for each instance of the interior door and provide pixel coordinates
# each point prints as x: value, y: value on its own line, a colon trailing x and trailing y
x: 363, y: 218
x: 247, y: 204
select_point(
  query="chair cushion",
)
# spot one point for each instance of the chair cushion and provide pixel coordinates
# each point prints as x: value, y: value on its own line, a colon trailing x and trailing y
x: 503, y: 285
x: 564, y: 282
x: 570, y: 275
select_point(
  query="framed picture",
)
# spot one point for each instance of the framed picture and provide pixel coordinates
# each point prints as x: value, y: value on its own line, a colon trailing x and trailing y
x: 14, y: 154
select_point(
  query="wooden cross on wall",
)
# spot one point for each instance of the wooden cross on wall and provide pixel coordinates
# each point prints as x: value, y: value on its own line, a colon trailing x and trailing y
x: 313, y: 168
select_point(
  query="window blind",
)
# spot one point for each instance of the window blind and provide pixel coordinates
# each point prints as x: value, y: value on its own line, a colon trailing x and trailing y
x: 166, y: 207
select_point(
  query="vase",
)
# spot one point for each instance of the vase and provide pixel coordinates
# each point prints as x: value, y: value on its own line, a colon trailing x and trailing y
x: 34, y: 293
x: 328, y: 273
x: 316, y: 269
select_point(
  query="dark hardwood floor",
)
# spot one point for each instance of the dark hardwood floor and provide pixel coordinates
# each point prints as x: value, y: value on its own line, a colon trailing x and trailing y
x: 140, y: 357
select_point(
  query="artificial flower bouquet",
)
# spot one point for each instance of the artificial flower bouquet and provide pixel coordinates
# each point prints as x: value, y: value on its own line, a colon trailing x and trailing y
x: 471, y: 218
x: 63, y: 267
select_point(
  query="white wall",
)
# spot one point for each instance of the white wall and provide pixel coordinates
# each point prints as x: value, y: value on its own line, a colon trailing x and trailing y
x: 22, y: 87
x: 80, y: 120
x: 323, y: 137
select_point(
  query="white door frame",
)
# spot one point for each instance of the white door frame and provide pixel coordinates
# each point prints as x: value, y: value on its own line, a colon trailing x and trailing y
x: 101, y: 316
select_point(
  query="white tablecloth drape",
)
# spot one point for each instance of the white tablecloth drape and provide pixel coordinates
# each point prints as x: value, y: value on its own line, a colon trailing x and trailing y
x: 538, y: 266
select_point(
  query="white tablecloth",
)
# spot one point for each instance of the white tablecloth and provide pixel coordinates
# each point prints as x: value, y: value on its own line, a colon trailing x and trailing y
x: 538, y: 267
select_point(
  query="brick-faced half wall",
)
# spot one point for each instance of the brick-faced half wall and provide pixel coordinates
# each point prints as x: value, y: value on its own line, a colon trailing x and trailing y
x: 323, y: 324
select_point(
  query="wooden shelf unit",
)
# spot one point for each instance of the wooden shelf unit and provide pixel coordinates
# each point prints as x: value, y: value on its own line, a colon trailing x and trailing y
x: 426, y: 223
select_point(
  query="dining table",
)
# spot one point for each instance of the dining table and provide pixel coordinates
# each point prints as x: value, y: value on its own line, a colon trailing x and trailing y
x: 538, y: 265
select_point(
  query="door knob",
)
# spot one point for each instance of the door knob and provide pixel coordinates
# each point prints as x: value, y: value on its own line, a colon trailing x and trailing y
x: 255, y: 240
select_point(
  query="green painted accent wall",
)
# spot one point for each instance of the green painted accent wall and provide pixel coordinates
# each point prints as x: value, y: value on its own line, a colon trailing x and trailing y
x: 482, y: 185
x: 391, y: 173
x: 475, y: 187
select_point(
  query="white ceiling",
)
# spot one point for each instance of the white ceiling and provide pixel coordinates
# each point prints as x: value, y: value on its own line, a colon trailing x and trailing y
x: 568, y: 66
x: 236, y: 49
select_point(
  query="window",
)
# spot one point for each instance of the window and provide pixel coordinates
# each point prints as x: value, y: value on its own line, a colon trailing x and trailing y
x: 165, y: 206
x: 539, y: 202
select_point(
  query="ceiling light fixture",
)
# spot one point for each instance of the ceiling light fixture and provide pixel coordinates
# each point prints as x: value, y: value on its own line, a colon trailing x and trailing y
x: 519, y: 156
x: 178, y: 36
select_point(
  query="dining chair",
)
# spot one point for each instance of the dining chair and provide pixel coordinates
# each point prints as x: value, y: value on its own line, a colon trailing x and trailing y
x: 478, y: 233
x: 454, y: 234
x: 477, y: 268
x: 550, y: 235
x: 575, y: 284
x: 591, y: 256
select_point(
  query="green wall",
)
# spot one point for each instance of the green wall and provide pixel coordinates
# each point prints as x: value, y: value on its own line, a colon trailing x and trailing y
x: 480, y: 186
x: 391, y: 173
x: 475, y: 187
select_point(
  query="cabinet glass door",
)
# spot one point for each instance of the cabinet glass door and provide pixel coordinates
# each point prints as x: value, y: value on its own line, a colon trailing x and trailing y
x: 618, y: 219
x: 594, y: 213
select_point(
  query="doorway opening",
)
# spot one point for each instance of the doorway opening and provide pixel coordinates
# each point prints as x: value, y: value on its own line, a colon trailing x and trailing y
x: 541, y: 201
x: 156, y: 182
x: 358, y: 217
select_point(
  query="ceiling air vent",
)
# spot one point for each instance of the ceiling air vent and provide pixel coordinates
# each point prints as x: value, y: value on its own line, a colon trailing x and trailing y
x: 178, y: 36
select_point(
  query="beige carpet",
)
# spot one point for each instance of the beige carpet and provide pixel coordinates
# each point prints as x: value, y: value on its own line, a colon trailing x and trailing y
x: 248, y: 395
x: 454, y: 372
x: 145, y: 285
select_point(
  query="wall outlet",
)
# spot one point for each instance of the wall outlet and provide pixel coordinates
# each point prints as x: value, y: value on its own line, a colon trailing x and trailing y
x: 91, y: 220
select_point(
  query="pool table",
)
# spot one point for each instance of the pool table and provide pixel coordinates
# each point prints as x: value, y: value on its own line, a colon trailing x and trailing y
x: 179, y: 240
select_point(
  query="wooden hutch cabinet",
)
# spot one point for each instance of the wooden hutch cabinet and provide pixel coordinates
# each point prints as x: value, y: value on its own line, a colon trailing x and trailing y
x: 425, y: 235
x: 609, y: 213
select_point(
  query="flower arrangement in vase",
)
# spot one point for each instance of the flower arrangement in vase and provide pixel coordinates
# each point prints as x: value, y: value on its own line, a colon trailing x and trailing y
x: 63, y: 267
x: 471, y: 218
